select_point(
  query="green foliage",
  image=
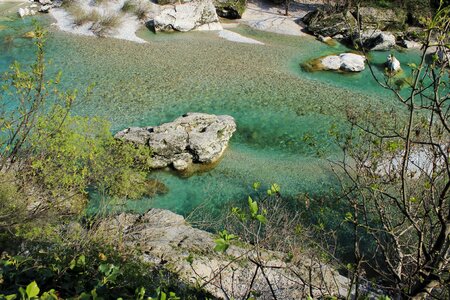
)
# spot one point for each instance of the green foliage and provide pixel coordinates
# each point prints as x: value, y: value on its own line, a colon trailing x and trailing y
x: 223, y: 242
x: 74, y: 153
x: 93, y: 271
x: 23, y: 97
x: 12, y: 206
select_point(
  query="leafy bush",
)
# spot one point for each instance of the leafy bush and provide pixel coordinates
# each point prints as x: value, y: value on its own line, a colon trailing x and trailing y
x: 90, y: 272
x: 72, y: 153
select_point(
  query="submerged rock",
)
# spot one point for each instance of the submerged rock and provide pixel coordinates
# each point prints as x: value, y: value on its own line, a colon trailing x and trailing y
x: 348, y: 62
x: 198, y: 15
x: 393, y: 64
x: 165, y: 238
x: 192, y: 138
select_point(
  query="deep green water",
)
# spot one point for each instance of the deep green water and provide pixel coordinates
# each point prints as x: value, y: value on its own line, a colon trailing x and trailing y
x: 279, y: 108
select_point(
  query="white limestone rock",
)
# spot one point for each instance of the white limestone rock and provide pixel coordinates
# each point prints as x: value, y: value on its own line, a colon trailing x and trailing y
x: 164, y: 237
x: 332, y: 62
x: 45, y: 8
x: 348, y: 62
x: 25, y: 11
x: 193, y: 138
x: 194, y: 15
x: 352, y: 62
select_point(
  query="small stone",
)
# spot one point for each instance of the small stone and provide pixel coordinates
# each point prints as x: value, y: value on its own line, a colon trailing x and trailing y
x: 180, y: 165
x: 45, y: 8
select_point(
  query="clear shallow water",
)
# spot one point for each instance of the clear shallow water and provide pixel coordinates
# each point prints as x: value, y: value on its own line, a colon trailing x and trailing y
x: 277, y: 106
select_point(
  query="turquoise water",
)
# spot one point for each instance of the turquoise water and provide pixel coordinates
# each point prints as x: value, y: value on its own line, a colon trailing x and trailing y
x: 283, y: 113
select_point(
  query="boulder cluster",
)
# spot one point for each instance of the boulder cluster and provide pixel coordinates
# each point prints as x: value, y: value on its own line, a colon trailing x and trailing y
x: 372, y: 32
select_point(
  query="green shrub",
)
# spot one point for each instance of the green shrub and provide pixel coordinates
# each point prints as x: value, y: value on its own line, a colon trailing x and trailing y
x: 72, y: 153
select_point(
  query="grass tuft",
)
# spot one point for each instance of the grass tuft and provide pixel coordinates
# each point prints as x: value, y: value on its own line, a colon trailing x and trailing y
x: 106, y: 24
x: 136, y: 7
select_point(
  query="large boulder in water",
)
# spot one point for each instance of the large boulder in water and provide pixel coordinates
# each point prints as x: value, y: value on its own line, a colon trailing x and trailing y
x: 348, y: 62
x: 325, y: 24
x: 230, y: 9
x: 192, y: 138
x: 375, y: 40
x: 194, y: 15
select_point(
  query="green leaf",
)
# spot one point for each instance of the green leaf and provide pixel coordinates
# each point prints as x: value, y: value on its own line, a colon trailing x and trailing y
x: 221, y: 245
x: 190, y: 259
x: 253, y: 206
x: 50, y: 295
x: 22, y: 292
x: 261, y: 218
x: 140, y: 293
x: 32, y: 290
x: 81, y: 261
x: 275, y: 188
x: 162, y: 296
x: 72, y: 264
x: 256, y: 185
x: 11, y: 297
x: 348, y: 217
x: 84, y: 296
x: 105, y: 268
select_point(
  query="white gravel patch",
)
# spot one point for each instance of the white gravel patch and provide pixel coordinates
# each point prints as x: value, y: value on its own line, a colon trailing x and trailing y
x: 236, y: 37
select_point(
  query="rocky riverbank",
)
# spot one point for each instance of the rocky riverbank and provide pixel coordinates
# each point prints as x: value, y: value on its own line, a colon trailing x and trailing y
x: 122, y: 18
x: 166, y: 239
